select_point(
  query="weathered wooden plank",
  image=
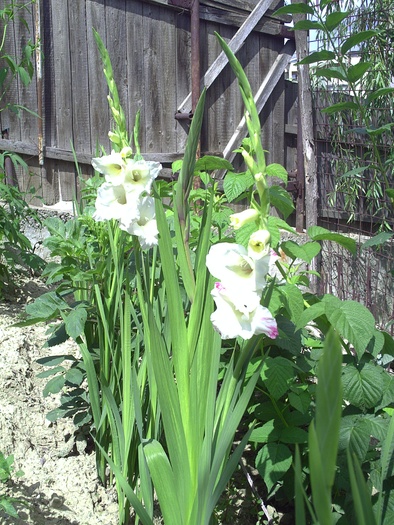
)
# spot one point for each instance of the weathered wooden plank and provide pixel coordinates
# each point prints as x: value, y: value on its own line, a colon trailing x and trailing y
x: 261, y: 97
x: 135, y: 63
x: 99, y: 118
x: 235, y: 44
x: 167, y: 79
x: 79, y: 78
x: 183, y: 71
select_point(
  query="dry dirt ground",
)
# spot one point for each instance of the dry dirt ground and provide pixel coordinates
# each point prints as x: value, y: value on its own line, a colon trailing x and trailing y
x: 59, y: 485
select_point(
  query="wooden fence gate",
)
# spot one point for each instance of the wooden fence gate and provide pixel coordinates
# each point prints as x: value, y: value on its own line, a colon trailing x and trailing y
x: 151, y: 47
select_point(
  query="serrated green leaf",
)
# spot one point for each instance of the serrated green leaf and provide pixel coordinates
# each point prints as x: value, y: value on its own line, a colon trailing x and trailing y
x: 275, y: 224
x: 306, y: 252
x: 362, y: 386
x: 281, y: 200
x: 309, y: 314
x: 277, y: 170
x: 301, y: 401
x: 270, y: 431
x: 242, y: 235
x: 273, y: 461
x: 293, y: 301
x: 235, y: 184
x: 75, y: 322
x: 355, y: 435
x: 46, y: 306
x: 212, y: 163
x: 318, y: 233
x: 356, y: 39
x: 353, y: 321
x: 277, y: 373
x: 318, y: 56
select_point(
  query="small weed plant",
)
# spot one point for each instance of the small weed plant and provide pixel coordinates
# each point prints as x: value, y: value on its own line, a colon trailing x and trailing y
x: 7, y: 503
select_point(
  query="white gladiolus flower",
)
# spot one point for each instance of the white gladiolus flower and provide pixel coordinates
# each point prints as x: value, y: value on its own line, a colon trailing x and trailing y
x: 114, y: 202
x: 112, y: 166
x: 139, y: 175
x: 231, y: 264
x: 145, y: 227
x: 240, y: 314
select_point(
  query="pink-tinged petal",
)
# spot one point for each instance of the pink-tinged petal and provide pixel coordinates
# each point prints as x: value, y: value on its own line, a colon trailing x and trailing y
x: 264, y: 323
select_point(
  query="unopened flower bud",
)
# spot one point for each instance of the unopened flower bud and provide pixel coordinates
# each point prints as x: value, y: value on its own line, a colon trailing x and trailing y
x: 237, y: 220
x: 259, y: 243
x: 113, y: 137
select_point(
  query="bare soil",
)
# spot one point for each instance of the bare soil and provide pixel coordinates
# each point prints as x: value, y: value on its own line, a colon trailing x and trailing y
x: 60, y: 484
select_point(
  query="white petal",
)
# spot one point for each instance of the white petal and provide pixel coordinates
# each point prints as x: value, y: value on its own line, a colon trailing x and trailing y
x: 112, y: 166
x: 235, y: 268
x: 240, y: 314
x: 140, y: 174
x: 113, y: 202
x: 145, y: 227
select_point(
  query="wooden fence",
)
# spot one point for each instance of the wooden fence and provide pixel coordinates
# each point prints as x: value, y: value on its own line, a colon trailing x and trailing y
x: 150, y: 47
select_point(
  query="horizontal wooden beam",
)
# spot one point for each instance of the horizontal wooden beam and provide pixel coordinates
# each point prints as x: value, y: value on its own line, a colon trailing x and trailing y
x: 29, y: 150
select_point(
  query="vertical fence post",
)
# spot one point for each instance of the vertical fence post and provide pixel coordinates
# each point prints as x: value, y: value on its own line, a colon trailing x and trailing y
x: 307, y: 150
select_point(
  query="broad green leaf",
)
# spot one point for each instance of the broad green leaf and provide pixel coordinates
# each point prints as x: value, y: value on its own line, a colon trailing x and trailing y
x: 306, y: 25
x: 317, y: 233
x: 356, y: 39
x: 51, y: 372
x: 235, y: 184
x: 54, y: 385
x: 357, y: 71
x: 282, y: 200
x: 270, y: 431
x: 74, y: 376
x: 293, y: 435
x: 275, y: 224
x: 46, y: 306
x: 310, y: 314
x: 388, y: 347
x: 334, y: 19
x: 277, y: 170
x: 54, y: 360
x: 340, y: 106
x: 318, y: 56
x: 376, y: 344
x: 272, y: 462
x: 75, y: 322
x: 362, y: 385
x: 293, y: 9
x: 293, y: 301
x: 306, y: 252
x: 277, y: 374
x: 382, y: 92
x: 242, y: 235
x: 212, y: 163
x: 355, y: 435
x: 330, y: 72
x: 300, y: 400
x: 354, y: 322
